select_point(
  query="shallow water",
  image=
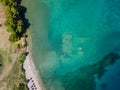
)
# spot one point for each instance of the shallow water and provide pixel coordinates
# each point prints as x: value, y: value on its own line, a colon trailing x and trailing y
x: 68, y: 34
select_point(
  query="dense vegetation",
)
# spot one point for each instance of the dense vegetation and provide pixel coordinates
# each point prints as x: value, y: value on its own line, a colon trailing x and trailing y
x: 15, y: 20
x: 22, y: 84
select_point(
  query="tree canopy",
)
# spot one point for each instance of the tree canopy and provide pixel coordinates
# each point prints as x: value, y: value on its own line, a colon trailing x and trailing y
x: 14, y: 21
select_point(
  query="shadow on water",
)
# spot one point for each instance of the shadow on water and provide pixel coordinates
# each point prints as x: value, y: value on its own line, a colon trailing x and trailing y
x: 18, y: 1
x: 22, y: 11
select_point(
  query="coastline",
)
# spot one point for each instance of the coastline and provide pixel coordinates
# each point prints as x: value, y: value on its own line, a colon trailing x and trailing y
x: 30, y: 70
x: 28, y: 65
x: 31, y: 73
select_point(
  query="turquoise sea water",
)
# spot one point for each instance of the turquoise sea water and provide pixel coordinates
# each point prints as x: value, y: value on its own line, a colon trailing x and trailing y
x: 68, y: 34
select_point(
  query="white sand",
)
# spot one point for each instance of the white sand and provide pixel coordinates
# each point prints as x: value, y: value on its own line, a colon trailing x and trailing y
x: 31, y: 72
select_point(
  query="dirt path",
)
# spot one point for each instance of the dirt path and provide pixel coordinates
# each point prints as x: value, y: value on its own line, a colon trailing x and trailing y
x: 7, y: 69
x: 4, y: 35
x: 5, y: 46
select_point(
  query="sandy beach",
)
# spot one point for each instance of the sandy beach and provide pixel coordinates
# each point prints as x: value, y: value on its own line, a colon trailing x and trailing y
x: 34, y: 82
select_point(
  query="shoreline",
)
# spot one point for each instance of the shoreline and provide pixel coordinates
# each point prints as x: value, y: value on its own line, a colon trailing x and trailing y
x: 28, y: 65
x: 31, y: 73
x: 30, y: 70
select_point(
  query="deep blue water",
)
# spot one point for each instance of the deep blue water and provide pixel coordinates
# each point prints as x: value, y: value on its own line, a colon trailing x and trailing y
x: 68, y: 34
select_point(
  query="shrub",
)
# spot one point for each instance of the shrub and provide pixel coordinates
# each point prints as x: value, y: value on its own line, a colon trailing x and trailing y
x: 22, y: 57
x: 10, y: 29
x: 22, y: 86
x: 13, y: 37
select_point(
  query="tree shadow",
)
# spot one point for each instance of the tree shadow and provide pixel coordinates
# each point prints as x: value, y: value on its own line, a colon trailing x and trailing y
x: 22, y: 11
x: 18, y: 1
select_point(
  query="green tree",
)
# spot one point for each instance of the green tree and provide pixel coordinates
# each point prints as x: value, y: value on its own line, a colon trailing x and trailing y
x: 14, y: 4
x: 5, y: 2
x: 11, y: 2
x: 9, y: 21
x: 20, y: 22
x: 22, y: 86
x: 14, y: 22
x: 10, y: 29
x: 20, y: 26
x: 19, y: 29
x: 22, y: 57
x: 14, y: 11
x: 13, y: 37
x: 7, y: 11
